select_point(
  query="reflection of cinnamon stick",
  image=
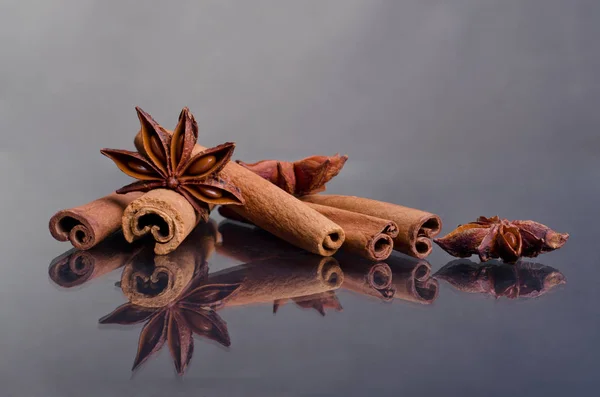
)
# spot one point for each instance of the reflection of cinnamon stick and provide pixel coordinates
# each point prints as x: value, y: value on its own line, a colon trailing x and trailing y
x: 318, y: 302
x: 164, y: 214
x: 412, y: 280
x: 416, y: 228
x: 248, y: 244
x: 89, y: 224
x: 280, y: 278
x: 368, y: 279
x: 155, y: 280
x: 76, y: 267
x: 278, y: 212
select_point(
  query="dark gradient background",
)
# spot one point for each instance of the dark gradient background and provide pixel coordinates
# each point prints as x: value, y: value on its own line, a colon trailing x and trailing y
x: 462, y: 107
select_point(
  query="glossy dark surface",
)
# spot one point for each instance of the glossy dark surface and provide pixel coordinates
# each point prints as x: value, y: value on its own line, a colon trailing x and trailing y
x: 463, y: 108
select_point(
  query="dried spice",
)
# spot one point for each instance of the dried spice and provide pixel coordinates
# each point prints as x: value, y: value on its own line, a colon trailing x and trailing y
x: 193, y: 313
x: 523, y: 280
x: 500, y: 238
x: 302, y: 177
x: 167, y: 162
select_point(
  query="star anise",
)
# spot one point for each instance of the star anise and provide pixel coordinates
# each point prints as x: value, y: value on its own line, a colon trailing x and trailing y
x: 192, y: 313
x: 499, y: 238
x: 168, y: 163
x: 302, y: 177
x: 319, y: 302
x: 523, y: 280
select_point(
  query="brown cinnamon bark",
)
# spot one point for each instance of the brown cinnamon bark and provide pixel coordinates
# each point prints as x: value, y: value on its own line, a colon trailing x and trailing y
x: 368, y: 279
x: 412, y: 280
x: 274, y: 279
x: 367, y: 236
x: 416, y: 228
x: 76, y: 267
x: 156, y: 280
x: 164, y: 214
x: 278, y: 212
x: 88, y: 225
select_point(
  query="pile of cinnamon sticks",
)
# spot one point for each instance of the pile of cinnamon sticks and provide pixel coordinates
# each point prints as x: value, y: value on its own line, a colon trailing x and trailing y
x: 178, y: 183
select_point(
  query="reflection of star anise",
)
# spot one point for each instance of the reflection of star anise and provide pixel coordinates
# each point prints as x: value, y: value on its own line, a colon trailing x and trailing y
x: 523, y: 280
x: 302, y: 177
x: 319, y: 302
x: 193, y: 312
x: 499, y: 238
x: 168, y: 163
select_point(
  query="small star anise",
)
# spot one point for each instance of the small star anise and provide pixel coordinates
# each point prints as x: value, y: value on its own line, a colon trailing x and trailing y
x: 302, y: 177
x: 168, y: 163
x: 499, y: 238
x: 192, y: 313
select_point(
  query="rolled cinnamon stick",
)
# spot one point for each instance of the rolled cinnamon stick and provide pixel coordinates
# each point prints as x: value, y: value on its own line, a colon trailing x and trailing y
x: 88, y: 225
x: 368, y: 279
x: 367, y: 236
x: 280, y: 278
x: 416, y: 228
x: 412, y: 280
x: 156, y: 280
x: 278, y: 212
x: 76, y: 267
x: 163, y: 214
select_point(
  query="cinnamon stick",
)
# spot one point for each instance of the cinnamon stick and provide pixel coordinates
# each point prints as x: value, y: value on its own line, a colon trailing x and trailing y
x: 274, y: 279
x: 76, y: 267
x: 368, y: 279
x: 156, y: 280
x: 367, y: 236
x: 416, y: 228
x: 412, y: 280
x: 278, y: 212
x: 88, y: 225
x: 163, y: 214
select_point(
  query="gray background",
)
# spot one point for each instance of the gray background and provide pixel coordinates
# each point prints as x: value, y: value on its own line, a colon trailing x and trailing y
x: 463, y: 108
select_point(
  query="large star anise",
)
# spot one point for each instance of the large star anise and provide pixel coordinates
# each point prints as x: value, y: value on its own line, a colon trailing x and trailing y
x: 499, y: 238
x: 192, y: 313
x: 168, y: 162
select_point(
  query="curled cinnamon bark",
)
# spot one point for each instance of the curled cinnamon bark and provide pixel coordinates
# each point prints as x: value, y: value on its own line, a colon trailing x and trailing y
x: 163, y: 214
x: 88, y: 225
x: 412, y: 280
x: 278, y: 212
x: 367, y: 236
x: 274, y: 279
x: 416, y: 228
x: 76, y: 267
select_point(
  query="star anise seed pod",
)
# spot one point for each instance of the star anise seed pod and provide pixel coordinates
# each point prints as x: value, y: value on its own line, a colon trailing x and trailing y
x: 168, y: 163
x: 499, y: 238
